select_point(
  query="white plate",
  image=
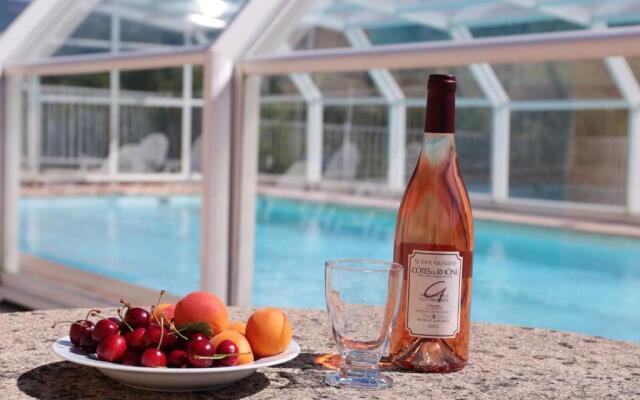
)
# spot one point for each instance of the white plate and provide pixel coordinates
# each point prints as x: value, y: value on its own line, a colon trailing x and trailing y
x: 171, y: 379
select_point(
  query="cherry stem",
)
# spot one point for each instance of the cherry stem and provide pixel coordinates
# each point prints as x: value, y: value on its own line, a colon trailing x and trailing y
x: 122, y: 319
x: 95, y: 314
x: 173, y: 328
x: 91, y: 313
x: 161, y: 331
x: 66, y: 322
x: 219, y: 356
x: 125, y: 305
x: 162, y: 293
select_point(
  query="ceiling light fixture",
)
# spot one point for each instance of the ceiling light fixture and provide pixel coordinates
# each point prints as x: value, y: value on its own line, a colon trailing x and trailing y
x: 207, y: 22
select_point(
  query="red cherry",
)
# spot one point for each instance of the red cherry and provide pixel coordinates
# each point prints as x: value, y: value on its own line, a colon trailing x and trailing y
x: 152, y: 336
x: 87, y: 342
x: 169, y: 340
x: 137, y: 317
x: 131, y: 357
x: 178, y: 359
x: 227, y: 347
x: 191, y: 337
x: 153, y: 358
x: 198, y: 349
x: 78, y: 329
x: 195, y: 336
x: 104, y: 328
x: 112, y: 348
x: 135, y: 338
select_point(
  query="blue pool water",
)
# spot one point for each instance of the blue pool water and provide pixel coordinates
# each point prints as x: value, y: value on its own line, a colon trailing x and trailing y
x: 522, y: 275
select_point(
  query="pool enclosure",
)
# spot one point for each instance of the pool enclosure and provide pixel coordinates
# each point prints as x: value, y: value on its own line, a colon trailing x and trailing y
x: 316, y: 96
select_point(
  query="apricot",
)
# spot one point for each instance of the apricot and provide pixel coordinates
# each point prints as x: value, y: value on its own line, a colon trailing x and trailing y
x: 201, y: 308
x: 268, y: 331
x: 238, y: 326
x: 164, y: 310
x: 238, y: 338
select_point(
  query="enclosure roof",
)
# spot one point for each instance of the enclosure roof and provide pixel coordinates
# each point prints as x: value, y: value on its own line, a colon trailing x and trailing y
x: 89, y: 27
x: 443, y: 15
x: 98, y: 26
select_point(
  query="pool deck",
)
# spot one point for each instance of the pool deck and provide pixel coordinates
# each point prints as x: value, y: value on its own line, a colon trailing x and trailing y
x: 506, y: 362
x: 581, y: 220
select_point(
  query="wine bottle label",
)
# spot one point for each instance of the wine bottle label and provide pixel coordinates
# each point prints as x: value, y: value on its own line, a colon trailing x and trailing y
x: 434, y: 280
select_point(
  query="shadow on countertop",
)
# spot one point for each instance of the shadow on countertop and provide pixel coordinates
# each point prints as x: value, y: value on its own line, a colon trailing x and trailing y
x: 64, y: 380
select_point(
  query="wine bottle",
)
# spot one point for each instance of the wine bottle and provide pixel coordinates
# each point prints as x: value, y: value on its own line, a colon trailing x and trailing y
x: 434, y: 243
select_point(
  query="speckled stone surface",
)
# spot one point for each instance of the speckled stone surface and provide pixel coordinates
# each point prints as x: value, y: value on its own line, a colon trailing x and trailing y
x: 506, y: 363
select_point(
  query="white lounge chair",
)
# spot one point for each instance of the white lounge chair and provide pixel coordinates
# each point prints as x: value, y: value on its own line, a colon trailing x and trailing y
x: 150, y: 155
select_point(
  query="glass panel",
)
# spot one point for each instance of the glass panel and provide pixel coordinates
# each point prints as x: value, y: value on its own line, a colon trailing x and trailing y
x: 634, y: 63
x: 405, y: 33
x: 319, y: 38
x: 473, y: 145
x: 405, y: 21
x: 74, y: 124
x: 283, y: 139
x: 139, y: 223
x: 576, y: 156
x: 164, y: 82
x: 278, y: 85
x: 197, y: 81
x: 196, y: 140
x: 144, y: 25
x: 350, y: 84
x: 355, y: 143
x: 588, y: 79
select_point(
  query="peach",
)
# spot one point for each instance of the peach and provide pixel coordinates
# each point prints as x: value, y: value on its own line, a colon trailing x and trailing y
x: 164, y: 310
x: 240, y: 341
x: 238, y: 326
x: 201, y: 308
x: 268, y: 332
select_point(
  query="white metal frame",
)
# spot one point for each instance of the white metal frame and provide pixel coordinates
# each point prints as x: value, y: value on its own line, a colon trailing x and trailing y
x: 233, y: 65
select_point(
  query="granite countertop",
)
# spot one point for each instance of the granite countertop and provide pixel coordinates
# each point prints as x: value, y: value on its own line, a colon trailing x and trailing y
x: 506, y: 363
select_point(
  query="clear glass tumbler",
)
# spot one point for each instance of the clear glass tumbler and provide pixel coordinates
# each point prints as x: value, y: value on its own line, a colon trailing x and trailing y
x: 362, y: 297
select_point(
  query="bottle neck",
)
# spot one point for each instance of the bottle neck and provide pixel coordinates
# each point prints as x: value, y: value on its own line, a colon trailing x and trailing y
x: 438, y: 148
x: 441, y: 111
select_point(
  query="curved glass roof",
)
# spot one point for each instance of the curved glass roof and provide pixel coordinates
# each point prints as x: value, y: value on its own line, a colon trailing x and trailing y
x: 138, y: 25
x: 402, y: 21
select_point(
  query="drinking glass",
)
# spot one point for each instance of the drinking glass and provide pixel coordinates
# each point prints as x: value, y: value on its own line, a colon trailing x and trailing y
x: 362, y: 302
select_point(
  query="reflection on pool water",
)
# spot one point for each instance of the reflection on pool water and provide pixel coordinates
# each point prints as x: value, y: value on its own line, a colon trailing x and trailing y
x: 522, y: 275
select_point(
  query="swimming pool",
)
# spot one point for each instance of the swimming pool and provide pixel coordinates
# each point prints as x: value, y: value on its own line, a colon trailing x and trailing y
x: 522, y: 275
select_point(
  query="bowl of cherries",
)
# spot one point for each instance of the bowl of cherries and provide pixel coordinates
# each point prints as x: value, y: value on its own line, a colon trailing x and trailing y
x: 143, y: 348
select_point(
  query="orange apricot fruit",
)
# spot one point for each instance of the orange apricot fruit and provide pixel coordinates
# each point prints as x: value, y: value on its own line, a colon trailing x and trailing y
x: 201, y: 307
x: 163, y: 311
x: 241, y: 342
x: 268, y: 331
x: 238, y: 326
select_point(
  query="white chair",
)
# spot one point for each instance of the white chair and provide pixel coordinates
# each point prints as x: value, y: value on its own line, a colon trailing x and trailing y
x: 150, y: 155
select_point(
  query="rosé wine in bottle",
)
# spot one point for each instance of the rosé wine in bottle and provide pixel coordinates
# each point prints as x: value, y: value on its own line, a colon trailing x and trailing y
x: 434, y: 243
